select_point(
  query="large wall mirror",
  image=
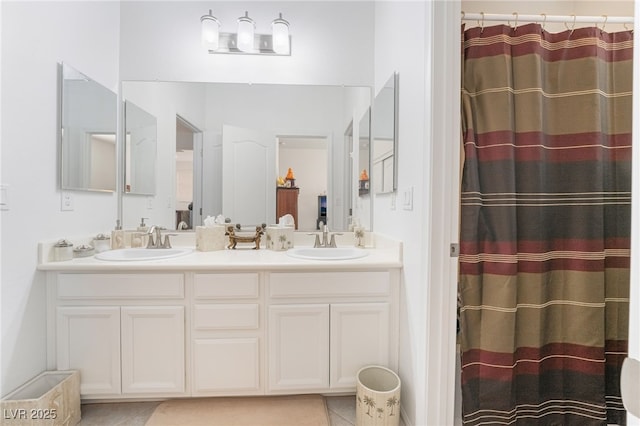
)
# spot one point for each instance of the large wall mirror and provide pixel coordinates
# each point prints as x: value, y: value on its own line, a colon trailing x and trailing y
x: 140, y: 150
x: 88, y: 113
x: 244, y: 137
x: 384, y: 138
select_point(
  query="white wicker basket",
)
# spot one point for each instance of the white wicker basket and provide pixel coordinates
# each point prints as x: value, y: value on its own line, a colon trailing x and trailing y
x: 52, y: 398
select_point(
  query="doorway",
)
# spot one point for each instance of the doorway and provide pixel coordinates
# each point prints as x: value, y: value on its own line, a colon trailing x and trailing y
x: 188, y: 189
x: 307, y: 157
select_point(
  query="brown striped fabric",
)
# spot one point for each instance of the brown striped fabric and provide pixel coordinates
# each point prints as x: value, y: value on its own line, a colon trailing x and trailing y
x: 545, y: 225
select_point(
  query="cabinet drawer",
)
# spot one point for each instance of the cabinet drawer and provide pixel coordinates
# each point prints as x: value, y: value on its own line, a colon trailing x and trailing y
x: 226, y: 316
x: 120, y: 286
x: 226, y: 286
x: 322, y: 284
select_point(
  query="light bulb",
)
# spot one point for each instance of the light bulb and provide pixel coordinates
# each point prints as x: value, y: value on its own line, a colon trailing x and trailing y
x: 280, y: 36
x: 246, y: 29
x: 210, y: 30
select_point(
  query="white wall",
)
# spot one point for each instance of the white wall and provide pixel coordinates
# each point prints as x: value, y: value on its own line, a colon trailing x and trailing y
x: 400, y: 45
x: 35, y: 37
x: 331, y: 42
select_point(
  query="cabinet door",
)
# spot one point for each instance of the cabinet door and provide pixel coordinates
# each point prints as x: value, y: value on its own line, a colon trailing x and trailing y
x: 298, y: 347
x: 88, y: 340
x: 226, y: 365
x: 153, y: 349
x: 359, y: 337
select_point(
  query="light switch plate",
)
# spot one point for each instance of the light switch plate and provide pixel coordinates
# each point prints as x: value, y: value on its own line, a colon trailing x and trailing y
x: 407, y: 198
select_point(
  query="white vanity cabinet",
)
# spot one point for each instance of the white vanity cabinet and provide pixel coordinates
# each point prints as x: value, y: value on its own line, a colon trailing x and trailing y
x: 124, y: 332
x: 227, y: 339
x: 324, y: 327
x: 147, y: 331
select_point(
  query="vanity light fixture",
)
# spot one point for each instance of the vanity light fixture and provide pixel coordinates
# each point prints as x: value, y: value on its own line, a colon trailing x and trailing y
x: 210, y: 31
x: 246, y: 40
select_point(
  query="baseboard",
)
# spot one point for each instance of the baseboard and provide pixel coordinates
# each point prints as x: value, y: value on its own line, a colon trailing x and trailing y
x: 403, y: 417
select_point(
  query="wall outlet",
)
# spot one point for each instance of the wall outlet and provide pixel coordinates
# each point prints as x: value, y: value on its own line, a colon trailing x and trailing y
x: 4, y: 197
x: 149, y: 203
x: 66, y: 202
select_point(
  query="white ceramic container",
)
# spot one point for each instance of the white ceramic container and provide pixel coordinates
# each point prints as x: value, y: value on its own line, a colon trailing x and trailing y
x: 210, y: 238
x: 377, y: 397
x: 279, y: 238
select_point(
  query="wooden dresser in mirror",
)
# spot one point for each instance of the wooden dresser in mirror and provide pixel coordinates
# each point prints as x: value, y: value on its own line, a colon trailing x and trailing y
x: 287, y: 202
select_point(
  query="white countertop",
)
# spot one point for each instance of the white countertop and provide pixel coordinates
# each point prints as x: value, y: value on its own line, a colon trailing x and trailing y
x: 386, y: 254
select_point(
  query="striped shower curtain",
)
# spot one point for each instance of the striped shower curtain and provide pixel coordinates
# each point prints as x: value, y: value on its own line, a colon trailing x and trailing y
x: 545, y: 225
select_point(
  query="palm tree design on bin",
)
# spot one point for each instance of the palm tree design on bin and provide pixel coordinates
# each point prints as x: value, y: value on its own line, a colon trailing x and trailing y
x: 391, y: 403
x: 370, y: 403
x: 283, y: 239
x: 380, y: 412
x: 269, y: 242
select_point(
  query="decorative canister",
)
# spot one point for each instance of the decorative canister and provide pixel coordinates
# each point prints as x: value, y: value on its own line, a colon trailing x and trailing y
x: 377, y: 397
x: 139, y: 239
x: 101, y: 242
x: 279, y: 238
x: 209, y: 238
x: 358, y: 235
x: 83, y: 250
x: 62, y: 250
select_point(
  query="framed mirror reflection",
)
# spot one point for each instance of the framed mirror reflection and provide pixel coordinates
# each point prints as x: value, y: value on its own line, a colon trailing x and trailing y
x: 384, y: 138
x: 87, y: 132
x: 139, y: 150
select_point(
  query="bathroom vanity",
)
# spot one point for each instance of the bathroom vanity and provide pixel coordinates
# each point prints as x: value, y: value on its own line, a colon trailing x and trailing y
x: 222, y: 323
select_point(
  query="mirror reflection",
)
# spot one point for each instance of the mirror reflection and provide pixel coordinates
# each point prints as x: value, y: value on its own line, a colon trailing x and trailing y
x: 250, y: 136
x: 384, y: 138
x: 87, y: 133
x: 140, y: 150
x: 363, y: 203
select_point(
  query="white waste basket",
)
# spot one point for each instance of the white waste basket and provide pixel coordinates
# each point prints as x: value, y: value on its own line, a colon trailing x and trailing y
x: 377, y: 397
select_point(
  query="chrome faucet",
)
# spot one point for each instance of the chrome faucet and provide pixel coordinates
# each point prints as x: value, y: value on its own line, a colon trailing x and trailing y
x: 328, y: 240
x: 155, y: 238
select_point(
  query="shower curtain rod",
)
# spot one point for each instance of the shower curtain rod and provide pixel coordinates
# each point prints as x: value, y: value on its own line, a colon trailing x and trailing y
x: 568, y: 19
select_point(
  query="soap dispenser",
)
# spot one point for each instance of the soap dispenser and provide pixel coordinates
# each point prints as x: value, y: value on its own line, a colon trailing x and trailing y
x: 143, y: 226
x: 117, y: 237
x: 139, y: 238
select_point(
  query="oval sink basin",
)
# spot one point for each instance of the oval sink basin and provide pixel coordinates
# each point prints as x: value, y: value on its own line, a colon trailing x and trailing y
x: 134, y: 254
x: 327, y: 253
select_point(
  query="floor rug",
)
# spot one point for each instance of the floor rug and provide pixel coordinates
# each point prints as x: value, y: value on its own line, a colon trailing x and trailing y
x: 298, y: 410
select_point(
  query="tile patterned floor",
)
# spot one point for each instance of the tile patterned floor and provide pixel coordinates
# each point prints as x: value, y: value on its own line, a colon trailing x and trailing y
x: 342, y: 412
